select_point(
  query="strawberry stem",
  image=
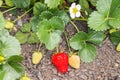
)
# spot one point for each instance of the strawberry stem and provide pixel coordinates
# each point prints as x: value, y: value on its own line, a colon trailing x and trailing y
x: 67, y: 42
x: 8, y: 10
x: 82, y: 19
x: 57, y: 49
x: 39, y: 47
x: 74, y: 26
x: 22, y: 15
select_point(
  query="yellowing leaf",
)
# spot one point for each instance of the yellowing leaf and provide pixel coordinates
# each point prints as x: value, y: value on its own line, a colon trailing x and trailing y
x: 9, y: 3
x: 74, y: 61
x: 36, y: 57
x: 1, y: 2
x: 9, y: 25
x: 112, y: 30
x: 118, y: 47
x: 1, y: 59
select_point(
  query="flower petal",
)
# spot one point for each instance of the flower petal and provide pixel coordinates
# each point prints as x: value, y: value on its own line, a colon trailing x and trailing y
x: 78, y: 6
x: 72, y: 15
x: 70, y: 9
x: 78, y: 14
x: 73, y: 4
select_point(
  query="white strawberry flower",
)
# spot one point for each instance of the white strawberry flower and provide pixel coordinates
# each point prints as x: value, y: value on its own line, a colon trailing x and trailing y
x: 74, y: 10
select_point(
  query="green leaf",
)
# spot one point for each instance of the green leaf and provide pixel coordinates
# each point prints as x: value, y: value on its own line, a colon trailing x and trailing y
x: 2, y: 21
x: 33, y: 38
x: 107, y: 7
x: 115, y: 19
x: 107, y: 14
x: 87, y: 53
x: 84, y: 4
x: 78, y: 40
x: 49, y: 32
x: 64, y: 16
x: 15, y: 59
x: 22, y: 3
x: 114, y: 5
x: 52, y: 40
x: 13, y: 71
x: 71, y: 0
x: 22, y: 37
x: 12, y: 46
x: 103, y: 6
x: 2, y: 46
x: 93, y: 2
x: 115, y: 37
x: 32, y: 2
x: 2, y: 75
x: 9, y: 3
x: 38, y: 8
x: 57, y: 23
x: 98, y: 22
x: 26, y: 27
x: 1, y: 2
x: 52, y: 3
x: 96, y: 37
x: 46, y: 15
x: 34, y: 22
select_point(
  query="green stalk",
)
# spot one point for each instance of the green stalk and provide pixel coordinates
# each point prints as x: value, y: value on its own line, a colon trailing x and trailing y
x: 4, y: 7
x: 22, y: 15
x: 40, y: 44
x: 8, y: 10
x: 67, y: 42
x: 57, y: 49
x: 74, y: 26
x: 82, y: 19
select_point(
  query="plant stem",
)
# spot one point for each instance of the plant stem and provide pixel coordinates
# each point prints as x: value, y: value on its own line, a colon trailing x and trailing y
x: 67, y: 42
x: 74, y: 25
x: 4, y: 7
x: 8, y: 10
x: 39, y: 47
x: 22, y: 15
x: 82, y: 19
x: 57, y: 49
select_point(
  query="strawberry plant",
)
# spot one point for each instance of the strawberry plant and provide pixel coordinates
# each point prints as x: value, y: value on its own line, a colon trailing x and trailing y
x: 10, y: 57
x: 48, y: 23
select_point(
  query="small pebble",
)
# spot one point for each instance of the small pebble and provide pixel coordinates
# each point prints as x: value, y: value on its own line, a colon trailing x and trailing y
x: 116, y: 64
x: 19, y: 22
x: 54, y: 79
x: 83, y: 77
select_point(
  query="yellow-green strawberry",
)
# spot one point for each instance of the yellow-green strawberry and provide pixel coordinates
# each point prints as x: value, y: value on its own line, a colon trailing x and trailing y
x: 74, y: 61
x: 118, y: 47
x: 25, y: 78
x: 36, y: 57
x: 9, y: 25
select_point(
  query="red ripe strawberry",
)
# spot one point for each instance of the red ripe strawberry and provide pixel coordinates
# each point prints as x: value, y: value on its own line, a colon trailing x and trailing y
x: 60, y: 60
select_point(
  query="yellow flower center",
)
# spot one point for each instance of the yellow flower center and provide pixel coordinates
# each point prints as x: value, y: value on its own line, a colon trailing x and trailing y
x: 75, y: 10
x: 1, y: 59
